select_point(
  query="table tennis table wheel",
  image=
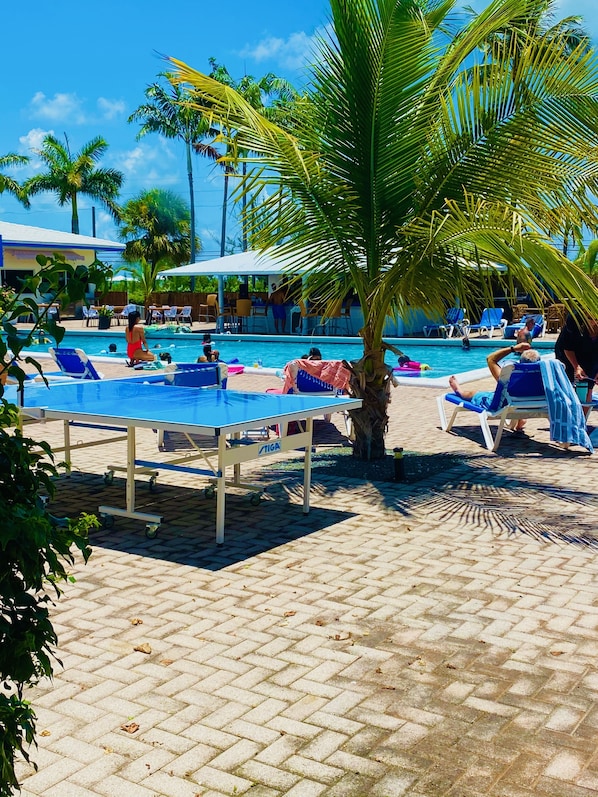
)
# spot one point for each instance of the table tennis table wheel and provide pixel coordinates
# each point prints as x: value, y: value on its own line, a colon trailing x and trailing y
x: 209, y: 491
x: 151, y: 530
x: 108, y: 477
x: 107, y: 520
x: 152, y: 484
x: 256, y: 499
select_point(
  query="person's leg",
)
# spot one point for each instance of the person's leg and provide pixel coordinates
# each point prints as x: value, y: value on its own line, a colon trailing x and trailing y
x: 456, y: 388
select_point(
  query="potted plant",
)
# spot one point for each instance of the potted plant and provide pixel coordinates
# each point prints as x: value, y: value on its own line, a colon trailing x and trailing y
x: 104, y: 317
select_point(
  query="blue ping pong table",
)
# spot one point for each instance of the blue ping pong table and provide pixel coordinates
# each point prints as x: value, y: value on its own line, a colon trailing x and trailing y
x: 224, y: 414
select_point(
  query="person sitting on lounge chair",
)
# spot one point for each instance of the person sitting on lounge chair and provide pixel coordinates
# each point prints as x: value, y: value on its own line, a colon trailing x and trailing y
x: 526, y: 334
x: 483, y: 398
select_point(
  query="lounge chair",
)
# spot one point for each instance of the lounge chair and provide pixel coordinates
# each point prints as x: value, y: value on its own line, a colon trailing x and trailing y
x: 170, y: 314
x: 90, y: 315
x: 521, y: 393
x: 452, y: 324
x: 318, y: 377
x: 185, y: 314
x: 74, y: 363
x: 491, y: 319
x: 124, y: 313
x: 511, y: 330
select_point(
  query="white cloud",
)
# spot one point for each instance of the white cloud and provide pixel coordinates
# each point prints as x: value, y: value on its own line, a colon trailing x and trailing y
x: 61, y: 107
x: 293, y: 52
x: 147, y: 166
x: 33, y: 140
x: 110, y: 109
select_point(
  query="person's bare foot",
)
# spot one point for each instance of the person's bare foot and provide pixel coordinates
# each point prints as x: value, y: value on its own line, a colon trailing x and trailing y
x: 453, y: 384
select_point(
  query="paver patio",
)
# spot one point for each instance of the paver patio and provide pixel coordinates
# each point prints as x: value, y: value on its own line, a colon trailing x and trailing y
x: 425, y: 639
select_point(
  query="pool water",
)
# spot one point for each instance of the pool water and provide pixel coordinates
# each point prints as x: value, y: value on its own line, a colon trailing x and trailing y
x: 444, y: 358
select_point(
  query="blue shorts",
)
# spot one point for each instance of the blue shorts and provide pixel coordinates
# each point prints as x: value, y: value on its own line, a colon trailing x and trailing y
x: 279, y: 311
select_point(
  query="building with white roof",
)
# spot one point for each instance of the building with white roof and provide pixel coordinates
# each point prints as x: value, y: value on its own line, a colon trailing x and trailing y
x: 20, y: 245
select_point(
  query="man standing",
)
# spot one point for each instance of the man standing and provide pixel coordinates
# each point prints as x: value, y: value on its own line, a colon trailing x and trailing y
x: 577, y: 348
x: 279, y: 311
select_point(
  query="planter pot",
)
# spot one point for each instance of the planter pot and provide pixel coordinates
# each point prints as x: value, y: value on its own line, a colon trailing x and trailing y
x: 104, y: 322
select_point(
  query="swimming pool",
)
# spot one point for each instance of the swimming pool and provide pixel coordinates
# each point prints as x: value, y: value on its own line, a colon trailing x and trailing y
x: 444, y: 357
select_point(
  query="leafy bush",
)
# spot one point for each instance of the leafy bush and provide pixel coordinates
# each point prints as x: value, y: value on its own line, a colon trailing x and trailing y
x: 35, y: 547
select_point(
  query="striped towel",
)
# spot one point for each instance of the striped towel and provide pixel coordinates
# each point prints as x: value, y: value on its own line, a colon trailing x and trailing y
x: 567, y: 419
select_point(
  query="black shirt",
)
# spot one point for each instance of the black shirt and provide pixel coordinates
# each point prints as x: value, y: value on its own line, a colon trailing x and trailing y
x: 577, y: 340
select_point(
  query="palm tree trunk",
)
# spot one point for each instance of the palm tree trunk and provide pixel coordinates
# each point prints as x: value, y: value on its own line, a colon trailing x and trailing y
x: 222, y: 250
x: 74, y: 214
x: 191, y: 206
x: 371, y: 381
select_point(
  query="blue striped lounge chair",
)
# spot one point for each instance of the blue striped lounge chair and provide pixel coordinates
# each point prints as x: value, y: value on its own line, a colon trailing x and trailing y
x: 519, y: 393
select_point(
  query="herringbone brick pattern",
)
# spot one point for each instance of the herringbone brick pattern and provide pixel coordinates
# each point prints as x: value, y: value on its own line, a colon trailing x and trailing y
x: 438, y: 638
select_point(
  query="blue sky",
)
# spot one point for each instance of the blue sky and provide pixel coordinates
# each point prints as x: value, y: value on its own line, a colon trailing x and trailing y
x: 82, y: 68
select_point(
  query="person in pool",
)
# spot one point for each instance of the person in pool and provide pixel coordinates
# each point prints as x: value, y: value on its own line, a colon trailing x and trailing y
x: 112, y: 348
x: 209, y: 355
x: 313, y: 354
x: 137, y: 349
x: 483, y: 398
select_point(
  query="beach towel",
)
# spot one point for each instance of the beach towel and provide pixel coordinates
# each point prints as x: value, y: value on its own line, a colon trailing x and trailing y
x: 566, y: 415
x: 333, y: 372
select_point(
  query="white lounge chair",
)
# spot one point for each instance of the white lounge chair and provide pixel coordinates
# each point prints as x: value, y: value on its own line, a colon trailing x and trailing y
x: 90, y: 315
x: 521, y: 393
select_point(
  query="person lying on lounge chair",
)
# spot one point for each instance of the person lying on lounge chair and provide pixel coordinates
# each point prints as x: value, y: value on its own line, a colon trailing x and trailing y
x: 483, y: 398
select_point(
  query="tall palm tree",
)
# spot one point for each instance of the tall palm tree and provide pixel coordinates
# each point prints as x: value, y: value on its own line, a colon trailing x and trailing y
x: 420, y: 154
x: 155, y: 227
x: 8, y: 183
x: 70, y: 175
x: 169, y: 113
x: 270, y: 95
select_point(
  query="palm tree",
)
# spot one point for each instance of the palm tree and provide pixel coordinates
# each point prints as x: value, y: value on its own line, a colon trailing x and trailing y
x: 270, y: 95
x: 9, y: 184
x: 155, y: 226
x: 169, y: 113
x: 418, y: 155
x: 70, y: 175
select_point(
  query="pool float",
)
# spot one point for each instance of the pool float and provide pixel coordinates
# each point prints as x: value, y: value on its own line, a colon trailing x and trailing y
x: 412, y: 365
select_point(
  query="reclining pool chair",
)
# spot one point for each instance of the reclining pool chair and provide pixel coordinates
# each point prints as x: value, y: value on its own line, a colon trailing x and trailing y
x: 74, y: 363
x: 303, y: 376
x: 511, y: 330
x: 520, y: 393
x: 452, y: 324
x: 491, y: 319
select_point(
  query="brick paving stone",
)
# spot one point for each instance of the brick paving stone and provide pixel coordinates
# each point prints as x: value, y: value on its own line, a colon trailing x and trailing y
x: 440, y: 643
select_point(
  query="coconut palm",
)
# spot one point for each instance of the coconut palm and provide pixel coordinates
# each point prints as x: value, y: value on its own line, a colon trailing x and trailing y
x: 272, y: 96
x: 70, y: 175
x: 8, y: 183
x: 169, y: 113
x: 155, y: 227
x: 419, y: 155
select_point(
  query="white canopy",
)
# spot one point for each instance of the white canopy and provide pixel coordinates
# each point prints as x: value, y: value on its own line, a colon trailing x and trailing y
x: 240, y: 265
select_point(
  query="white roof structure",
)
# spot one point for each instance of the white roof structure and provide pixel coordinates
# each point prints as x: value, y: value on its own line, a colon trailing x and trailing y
x: 25, y: 237
x: 240, y: 265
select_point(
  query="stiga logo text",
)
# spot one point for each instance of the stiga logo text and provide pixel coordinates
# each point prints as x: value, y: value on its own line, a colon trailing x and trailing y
x: 269, y: 448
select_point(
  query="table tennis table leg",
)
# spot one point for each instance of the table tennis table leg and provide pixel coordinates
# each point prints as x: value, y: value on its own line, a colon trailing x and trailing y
x: 220, y: 490
x: 67, y: 446
x: 309, y: 428
x: 130, y: 489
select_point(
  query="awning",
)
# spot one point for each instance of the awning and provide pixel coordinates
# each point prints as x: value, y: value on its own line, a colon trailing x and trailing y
x: 243, y: 264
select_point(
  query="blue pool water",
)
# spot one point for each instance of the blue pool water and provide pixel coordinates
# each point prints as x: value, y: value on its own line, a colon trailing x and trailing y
x: 444, y: 358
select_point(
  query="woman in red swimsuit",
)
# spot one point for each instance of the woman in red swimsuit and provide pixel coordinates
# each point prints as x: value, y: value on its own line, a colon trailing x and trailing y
x: 137, y: 350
